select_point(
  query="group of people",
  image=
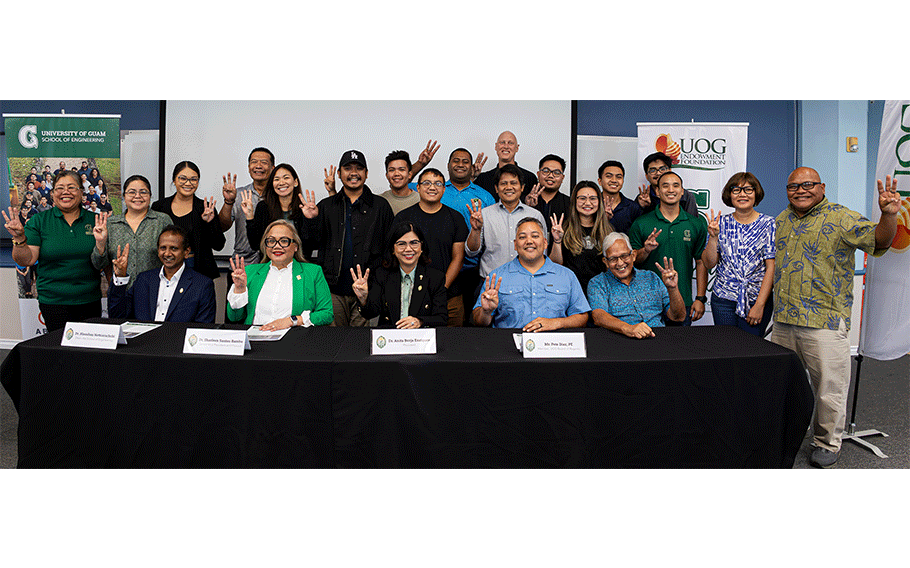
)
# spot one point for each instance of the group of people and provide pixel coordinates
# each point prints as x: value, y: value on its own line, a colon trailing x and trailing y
x: 38, y: 196
x: 503, y: 248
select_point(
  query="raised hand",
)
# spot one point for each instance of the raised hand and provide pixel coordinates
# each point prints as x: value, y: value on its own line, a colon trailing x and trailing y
x: 651, y: 242
x: 489, y: 298
x: 100, y: 230
x: 308, y: 204
x: 409, y: 322
x: 476, y: 216
x: 478, y: 165
x: 209, y: 212
x: 608, y: 206
x: 427, y: 154
x: 121, y: 261
x: 644, y: 195
x: 330, y: 180
x: 668, y: 274
x: 531, y: 199
x: 556, y: 228
x: 13, y: 224
x: 246, y: 204
x: 889, y: 201
x: 360, y: 286
x: 238, y: 273
x: 714, y: 224
x: 229, y: 189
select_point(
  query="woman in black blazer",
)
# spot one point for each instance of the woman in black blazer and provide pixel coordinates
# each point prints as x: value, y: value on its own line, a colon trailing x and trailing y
x: 197, y: 217
x: 382, y: 295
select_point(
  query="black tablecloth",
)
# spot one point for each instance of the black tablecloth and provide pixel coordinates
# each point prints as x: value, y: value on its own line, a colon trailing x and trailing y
x: 691, y: 397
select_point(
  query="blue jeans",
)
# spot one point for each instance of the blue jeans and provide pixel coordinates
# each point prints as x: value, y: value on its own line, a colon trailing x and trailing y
x: 724, y: 312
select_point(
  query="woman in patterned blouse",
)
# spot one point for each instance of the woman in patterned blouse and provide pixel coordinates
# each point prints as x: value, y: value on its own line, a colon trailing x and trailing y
x: 741, y: 245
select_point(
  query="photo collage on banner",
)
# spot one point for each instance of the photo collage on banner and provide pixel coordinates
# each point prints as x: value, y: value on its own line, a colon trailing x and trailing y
x: 39, y: 147
x: 705, y: 155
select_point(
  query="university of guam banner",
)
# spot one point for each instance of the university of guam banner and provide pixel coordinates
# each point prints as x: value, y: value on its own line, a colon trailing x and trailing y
x: 704, y: 154
x: 40, y: 145
x: 885, y: 328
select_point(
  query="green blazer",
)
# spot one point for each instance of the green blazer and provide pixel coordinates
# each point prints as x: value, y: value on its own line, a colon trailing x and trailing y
x: 311, y: 292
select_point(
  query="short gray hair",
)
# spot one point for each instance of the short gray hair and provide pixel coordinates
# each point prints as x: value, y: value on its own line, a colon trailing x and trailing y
x: 611, y: 239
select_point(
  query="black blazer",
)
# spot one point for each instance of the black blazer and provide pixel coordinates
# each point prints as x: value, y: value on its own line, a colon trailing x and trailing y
x: 428, y: 297
x: 206, y: 237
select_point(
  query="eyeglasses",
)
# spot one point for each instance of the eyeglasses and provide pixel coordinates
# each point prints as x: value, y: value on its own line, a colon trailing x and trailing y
x: 660, y: 170
x: 622, y: 257
x: 185, y: 180
x: 736, y: 190
x: 548, y: 171
x: 270, y: 242
x: 134, y: 192
x: 401, y: 245
x: 427, y: 184
x: 587, y: 198
x: 807, y: 185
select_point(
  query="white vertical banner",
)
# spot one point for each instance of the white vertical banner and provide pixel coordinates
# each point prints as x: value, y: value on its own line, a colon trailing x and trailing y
x: 705, y: 155
x: 885, y: 325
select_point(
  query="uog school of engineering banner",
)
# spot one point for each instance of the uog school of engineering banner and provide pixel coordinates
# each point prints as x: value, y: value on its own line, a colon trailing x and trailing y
x: 704, y: 154
x: 885, y: 328
x: 41, y: 145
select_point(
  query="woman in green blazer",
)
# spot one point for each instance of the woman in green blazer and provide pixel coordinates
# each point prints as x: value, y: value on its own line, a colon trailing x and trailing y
x: 284, y: 292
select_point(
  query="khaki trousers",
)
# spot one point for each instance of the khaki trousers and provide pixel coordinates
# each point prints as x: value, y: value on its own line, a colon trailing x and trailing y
x: 826, y: 355
x: 346, y: 312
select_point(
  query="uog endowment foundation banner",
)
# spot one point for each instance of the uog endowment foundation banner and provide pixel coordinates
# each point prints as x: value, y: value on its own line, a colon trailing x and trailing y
x: 885, y: 330
x: 704, y: 154
x: 39, y: 146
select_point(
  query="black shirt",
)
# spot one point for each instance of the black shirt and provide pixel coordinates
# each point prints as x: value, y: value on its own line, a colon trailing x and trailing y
x: 528, y: 181
x: 587, y: 264
x: 442, y: 230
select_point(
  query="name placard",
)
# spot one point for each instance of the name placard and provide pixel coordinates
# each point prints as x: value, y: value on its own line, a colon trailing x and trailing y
x: 215, y: 341
x: 92, y: 335
x: 403, y: 341
x: 553, y: 345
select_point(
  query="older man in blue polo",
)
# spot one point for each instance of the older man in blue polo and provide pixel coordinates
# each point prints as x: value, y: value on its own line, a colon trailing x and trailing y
x: 630, y: 301
x: 533, y: 292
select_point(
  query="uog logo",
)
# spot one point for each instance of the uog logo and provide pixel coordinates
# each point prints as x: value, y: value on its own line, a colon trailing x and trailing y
x: 28, y: 136
x: 193, y: 340
x: 69, y: 333
x: 380, y: 342
x: 529, y: 345
x: 665, y: 144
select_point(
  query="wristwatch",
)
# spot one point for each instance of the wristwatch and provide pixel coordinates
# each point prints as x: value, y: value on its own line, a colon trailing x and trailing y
x: 294, y: 321
x: 702, y: 299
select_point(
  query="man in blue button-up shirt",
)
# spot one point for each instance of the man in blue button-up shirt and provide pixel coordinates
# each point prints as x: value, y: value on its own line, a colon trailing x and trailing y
x: 532, y: 292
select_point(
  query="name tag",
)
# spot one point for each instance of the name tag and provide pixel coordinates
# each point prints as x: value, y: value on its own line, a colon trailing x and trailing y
x: 215, y: 341
x: 403, y: 341
x: 92, y: 335
x: 553, y: 345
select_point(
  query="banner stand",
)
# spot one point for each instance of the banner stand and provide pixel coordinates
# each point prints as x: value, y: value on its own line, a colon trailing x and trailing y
x: 851, y: 433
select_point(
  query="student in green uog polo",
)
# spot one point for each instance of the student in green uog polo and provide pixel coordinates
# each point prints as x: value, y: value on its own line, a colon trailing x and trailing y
x: 286, y: 291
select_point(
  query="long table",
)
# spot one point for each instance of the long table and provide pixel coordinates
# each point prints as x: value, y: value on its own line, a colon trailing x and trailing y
x: 698, y: 397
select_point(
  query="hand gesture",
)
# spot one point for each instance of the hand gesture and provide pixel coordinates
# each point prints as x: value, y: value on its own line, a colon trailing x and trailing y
x: 478, y: 165
x: 209, y: 212
x: 238, y: 273
x: 540, y: 324
x: 644, y: 195
x: 229, y: 189
x: 308, y: 204
x: 608, y: 206
x: 330, y: 180
x: 13, y: 224
x: 121, y: 261
x: 427, y: 154
x: 651, y: 242
x: 668, y: 274
x: 556, y: 228
x: 639, y: 331
x: 360, y: 287
x: 409, y: 322
x: 714, y: 224
x: 246, y: 204
x: 100, y: 230
x: 531, y: 199
x: 476, y: 216
x: 489, y: 298
x: 889, y: 201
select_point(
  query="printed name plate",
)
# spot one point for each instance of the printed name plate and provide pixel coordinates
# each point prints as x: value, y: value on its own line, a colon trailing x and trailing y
x: 403, y: 341
x: 553, y: 345
x: 215, y: 341
x: 93, y: 335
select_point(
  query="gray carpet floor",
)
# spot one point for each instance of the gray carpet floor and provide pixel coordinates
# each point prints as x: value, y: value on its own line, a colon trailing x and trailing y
x: 884, y: 405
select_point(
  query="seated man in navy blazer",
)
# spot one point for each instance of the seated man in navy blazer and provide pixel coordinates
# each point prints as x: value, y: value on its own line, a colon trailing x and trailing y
x: 175, y: 292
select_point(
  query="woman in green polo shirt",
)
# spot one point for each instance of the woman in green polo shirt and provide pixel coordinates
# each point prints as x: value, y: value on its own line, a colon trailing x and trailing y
x: 60, y: 241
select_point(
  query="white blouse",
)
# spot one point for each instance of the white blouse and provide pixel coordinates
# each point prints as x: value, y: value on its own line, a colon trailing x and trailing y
x: 275, y: 299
